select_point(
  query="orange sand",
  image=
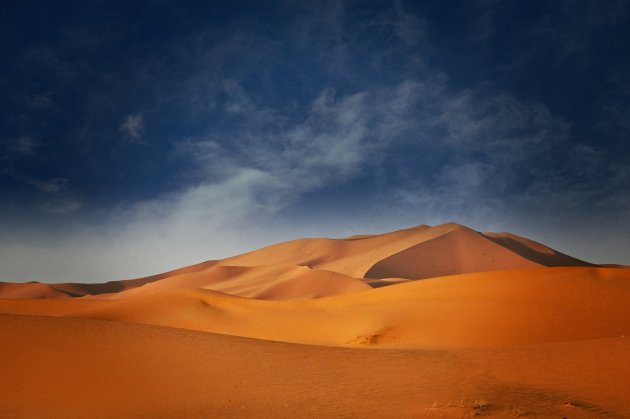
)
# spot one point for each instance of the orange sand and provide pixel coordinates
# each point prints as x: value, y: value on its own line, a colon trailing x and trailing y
x: 69, y: 368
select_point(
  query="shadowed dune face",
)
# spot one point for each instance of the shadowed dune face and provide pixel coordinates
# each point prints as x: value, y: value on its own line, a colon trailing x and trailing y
x: 534, y: 251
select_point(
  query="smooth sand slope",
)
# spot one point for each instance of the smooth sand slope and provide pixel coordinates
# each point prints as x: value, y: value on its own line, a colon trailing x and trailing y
x: 81, y: 368
x: 493, y: 309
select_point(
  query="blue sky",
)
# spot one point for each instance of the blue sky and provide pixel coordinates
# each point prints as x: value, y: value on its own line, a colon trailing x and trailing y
x: 137, y: 137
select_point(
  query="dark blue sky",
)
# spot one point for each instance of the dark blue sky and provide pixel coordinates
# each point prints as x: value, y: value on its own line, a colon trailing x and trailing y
x: 136, y: 137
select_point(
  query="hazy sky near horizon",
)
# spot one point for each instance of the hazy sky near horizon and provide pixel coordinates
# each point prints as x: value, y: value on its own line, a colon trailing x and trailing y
x: 137, y: 137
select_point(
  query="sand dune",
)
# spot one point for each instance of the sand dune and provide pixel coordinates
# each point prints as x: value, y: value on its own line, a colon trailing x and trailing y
x: 30, y: 290
x: 271, y: 282
x: 278, y: 271
x: 492, y: 309
x: 418, y: 252
x: 64, y: 367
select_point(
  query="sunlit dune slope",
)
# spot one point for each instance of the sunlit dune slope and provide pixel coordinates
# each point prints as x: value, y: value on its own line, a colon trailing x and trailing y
x: 491, y: 309
x: 64, y: 367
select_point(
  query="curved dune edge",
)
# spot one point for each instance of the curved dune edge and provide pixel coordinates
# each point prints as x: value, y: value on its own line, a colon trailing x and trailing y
x: 490, y: 309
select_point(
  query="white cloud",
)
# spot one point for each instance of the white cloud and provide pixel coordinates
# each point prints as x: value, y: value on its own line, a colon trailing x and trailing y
x: 409, y: 27
x: 23, y: 145
x: 61, y: 206
x: 503, y: 128
x: 50, y: 186
x: 133, y: 127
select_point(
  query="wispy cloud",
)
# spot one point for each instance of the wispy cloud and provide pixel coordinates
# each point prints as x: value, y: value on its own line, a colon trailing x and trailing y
x: 21, y: 146
x: 133, y: 127
x: 53, y: 185
x: 488, y: 144
x: 61, y: 206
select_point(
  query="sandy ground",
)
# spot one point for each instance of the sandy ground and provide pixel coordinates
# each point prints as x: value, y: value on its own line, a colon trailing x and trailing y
x: 65, y: 367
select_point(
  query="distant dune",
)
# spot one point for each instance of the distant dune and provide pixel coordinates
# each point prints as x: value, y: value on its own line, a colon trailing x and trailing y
x: 279, y: 270
x: 458, y: 323
x: 30, y: 290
